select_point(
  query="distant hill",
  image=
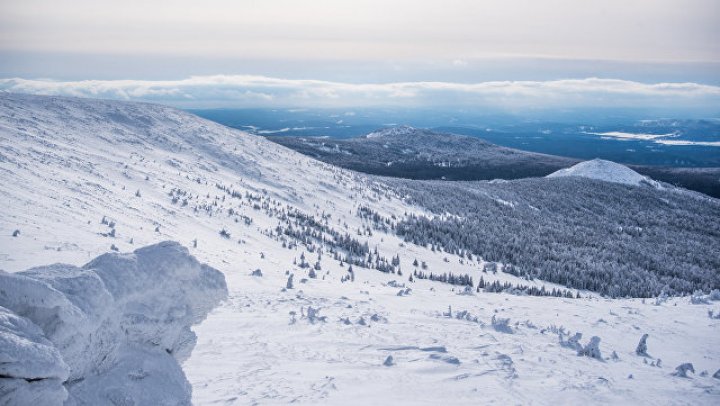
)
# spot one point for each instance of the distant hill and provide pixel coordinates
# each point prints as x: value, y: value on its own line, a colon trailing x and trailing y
x: 416, y: 153
x: 607, y: 171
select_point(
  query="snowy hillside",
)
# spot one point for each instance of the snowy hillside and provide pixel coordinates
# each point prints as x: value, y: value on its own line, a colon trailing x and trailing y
x: 607, y: 171
x: 320, y: 306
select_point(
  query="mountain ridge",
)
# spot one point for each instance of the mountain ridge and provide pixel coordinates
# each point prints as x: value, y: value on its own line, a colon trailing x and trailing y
x: 416, y: 153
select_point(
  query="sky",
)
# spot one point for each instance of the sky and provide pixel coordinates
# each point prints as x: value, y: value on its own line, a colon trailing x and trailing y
x: 221, y: 53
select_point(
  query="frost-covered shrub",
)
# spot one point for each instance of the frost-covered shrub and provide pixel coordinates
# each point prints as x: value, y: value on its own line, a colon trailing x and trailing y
x: 378, y: 318
x: 714, y: 295
x: 592, y: 349
x: 289, y: 284
x: 698, y: 298
x: 683, y: 369
x: 572, y: 342
x: 257, y: 272
x: 465, y: 315
x: 501, y: 325
x: 16, y: 233
x: 313, y: 315
x: 661, y: 298
x: 389, y: 361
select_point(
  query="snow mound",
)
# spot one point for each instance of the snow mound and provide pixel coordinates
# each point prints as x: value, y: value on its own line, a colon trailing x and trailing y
x: 392, y: 131
x: 108, y: 331
x: 607, y: 171
x: 31, y: 368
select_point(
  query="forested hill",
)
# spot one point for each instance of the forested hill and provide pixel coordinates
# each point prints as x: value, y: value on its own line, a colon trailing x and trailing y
x: 414, y: 153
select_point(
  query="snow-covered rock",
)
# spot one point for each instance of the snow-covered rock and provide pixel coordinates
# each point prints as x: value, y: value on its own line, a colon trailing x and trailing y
x: 31, y: 368
x: 607, y: 171
x: 114, y: 330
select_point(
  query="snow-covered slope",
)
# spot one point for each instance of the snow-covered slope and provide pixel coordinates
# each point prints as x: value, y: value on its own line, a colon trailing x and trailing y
x: 81, y: 177
x: 607, y: 171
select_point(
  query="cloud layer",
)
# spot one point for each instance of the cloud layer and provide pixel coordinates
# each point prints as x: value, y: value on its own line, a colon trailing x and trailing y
x: 260, y: 91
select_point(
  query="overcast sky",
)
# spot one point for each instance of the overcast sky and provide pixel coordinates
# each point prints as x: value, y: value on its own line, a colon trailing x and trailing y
x: 357, y: 42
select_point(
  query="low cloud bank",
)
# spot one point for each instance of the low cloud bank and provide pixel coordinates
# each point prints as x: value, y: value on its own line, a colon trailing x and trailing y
x: 260, y: 91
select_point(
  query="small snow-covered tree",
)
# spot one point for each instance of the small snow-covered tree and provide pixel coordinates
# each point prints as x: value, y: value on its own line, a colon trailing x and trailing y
x: 289, y: 284
x: 642, y: 346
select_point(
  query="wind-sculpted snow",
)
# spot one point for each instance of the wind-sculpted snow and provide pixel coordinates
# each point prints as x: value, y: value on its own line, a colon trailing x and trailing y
x: 113, y: 331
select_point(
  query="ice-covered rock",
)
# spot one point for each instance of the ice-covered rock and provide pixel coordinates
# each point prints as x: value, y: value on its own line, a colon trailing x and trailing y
x: 118, y: 325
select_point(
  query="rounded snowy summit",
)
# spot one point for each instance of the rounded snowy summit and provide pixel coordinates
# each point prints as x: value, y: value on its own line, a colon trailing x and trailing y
x: 607, y: 171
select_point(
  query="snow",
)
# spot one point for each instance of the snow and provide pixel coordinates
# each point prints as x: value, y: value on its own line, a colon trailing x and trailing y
x: 656, y: 138
x: 633, y: 136
x: 31, y: 368
x: 66, y: 163
x: 111, y: 329
x: 607, y: 171
x: 687, y: 142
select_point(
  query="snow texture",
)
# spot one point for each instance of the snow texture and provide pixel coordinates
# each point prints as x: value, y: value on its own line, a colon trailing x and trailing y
x: 114, y: 331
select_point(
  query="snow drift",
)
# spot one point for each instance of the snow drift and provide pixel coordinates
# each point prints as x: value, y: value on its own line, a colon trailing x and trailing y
x: 607, y: 171
x: 107, y: 331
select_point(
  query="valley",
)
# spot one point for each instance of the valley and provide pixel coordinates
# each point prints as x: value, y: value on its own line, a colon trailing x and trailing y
x: 329, y: 293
